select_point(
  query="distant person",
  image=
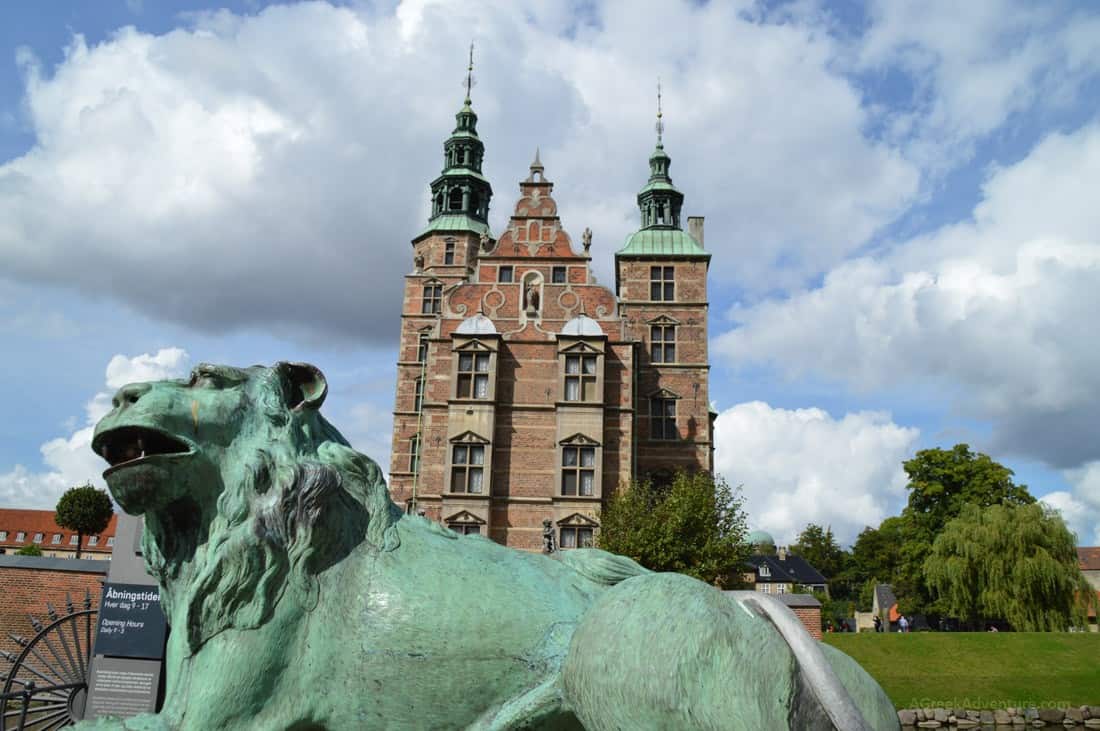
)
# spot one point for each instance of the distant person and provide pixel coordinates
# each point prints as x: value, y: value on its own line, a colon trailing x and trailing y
x: 992, y: 628
x: 878, y: 623
x: 903, y: 624
x: 844, y: 626
x: 829, y: 625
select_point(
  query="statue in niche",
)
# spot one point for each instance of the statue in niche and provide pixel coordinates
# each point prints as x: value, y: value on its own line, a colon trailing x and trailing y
x: 485, y: 241
x: 586, y: 239
x: 531, y: 296
x: 418, y: 262
x: 548, y: 543
x: 279, y: 551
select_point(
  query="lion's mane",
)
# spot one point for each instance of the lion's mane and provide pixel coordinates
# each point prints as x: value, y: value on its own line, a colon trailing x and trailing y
x: 307, y: 499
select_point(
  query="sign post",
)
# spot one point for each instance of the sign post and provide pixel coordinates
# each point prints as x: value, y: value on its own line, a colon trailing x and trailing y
x: 130, y: 635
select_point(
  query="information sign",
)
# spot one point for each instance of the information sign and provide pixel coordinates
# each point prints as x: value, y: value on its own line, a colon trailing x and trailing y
x: 131, y: 623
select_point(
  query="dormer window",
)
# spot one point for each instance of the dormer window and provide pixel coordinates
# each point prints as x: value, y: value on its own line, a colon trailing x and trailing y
x: 765, y: 571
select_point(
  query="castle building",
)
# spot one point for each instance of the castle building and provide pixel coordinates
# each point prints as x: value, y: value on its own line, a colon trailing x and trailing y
x: 528, y: 392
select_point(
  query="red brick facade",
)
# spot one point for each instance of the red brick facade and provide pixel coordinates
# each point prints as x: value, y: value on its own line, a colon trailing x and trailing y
x: 21, y: 528
x: 810, y: 618
x: 525, y: 389
x: 28, y: 586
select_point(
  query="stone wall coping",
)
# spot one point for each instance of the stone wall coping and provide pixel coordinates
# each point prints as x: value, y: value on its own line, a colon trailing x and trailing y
x: 50, y: 563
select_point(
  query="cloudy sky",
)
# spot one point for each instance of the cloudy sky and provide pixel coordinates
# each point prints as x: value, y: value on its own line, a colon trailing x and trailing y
x: 901, y: 202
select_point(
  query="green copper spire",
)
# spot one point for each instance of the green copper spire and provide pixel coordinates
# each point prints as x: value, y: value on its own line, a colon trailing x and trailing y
x: 461, y: 194
x: 660, y: 202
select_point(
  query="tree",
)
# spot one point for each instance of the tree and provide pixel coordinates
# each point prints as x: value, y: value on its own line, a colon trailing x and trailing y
x: 30, y: 549
x: 85, y: 510
x: 1016, y: 563
x: 819, y: 547
x: 694, y: 525
x: 941, y: 483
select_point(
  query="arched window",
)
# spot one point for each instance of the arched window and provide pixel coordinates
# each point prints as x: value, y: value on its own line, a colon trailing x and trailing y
x: 454, y: 202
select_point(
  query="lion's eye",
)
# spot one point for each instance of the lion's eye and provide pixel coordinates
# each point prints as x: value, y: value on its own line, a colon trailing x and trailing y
x: 201, y: 378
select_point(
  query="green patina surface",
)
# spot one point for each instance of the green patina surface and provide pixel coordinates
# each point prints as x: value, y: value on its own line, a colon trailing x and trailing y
x: 300, y: 597
x: 650, y: 242
x: 456, y: 222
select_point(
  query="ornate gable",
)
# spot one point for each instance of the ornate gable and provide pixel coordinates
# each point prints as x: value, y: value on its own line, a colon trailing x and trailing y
x: 579, y: 519
x: 464, y: 516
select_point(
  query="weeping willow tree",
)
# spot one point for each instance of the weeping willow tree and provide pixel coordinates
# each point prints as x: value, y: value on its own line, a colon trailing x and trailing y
x: 1016, y: 563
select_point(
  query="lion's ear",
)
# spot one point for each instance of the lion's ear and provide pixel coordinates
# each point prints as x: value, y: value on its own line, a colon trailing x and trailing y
x: 307, y: 385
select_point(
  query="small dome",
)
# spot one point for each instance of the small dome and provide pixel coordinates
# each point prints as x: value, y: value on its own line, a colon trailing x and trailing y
x: 760, y: 538
x: 582, y: 325
x: 479, y: 324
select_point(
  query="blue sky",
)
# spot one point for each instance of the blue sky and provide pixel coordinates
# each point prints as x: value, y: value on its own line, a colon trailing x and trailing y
x: 899, y: 201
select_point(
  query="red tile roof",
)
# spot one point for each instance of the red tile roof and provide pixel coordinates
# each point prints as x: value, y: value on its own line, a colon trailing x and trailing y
x: 1088, y: 558
x: 30, y: 522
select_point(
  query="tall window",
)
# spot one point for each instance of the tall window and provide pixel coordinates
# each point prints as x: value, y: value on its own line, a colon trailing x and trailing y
x: 575, y: 536
x: 505, y: 274
x: 557, y: 275
x: 578, y: 470
x: 662, y: 287
x: 663, y: 343
x: 662, y: 418
x: 418, y: 394
x: 473, y: 375
x: 580, y: 378
x: 449, y: 252
x: 433, y: 298
x: 414, y: 454
x: 467, y: 466
x: 422, y: 348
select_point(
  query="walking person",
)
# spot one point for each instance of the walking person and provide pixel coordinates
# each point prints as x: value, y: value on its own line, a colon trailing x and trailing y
x: 878, y: 623
x: 903, y: 624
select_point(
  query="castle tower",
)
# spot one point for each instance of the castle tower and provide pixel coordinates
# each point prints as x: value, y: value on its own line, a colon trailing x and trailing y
x: 519, y: 401
x: 661, y: 283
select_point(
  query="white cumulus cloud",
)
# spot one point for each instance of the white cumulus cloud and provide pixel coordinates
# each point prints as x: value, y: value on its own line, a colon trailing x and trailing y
x: 69, y: 460
x: 995, y: 313
x: 269, y: 170
x: 802, y: 465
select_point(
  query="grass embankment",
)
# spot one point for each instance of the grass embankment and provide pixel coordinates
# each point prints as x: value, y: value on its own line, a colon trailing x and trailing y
x: 979, y: 669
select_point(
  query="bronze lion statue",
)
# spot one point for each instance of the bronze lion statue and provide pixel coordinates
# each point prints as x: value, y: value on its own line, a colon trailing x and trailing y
x: 301, y: 598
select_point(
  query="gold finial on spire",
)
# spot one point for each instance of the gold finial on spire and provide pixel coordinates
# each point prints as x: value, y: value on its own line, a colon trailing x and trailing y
x: 470, y: 74
x: 660, y: 126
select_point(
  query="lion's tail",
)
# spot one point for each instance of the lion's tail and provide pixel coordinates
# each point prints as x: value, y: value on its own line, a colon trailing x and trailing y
x: 601, y: 567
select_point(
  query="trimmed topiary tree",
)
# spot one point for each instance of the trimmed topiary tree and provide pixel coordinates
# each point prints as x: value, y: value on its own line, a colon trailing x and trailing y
x: 85, y: 510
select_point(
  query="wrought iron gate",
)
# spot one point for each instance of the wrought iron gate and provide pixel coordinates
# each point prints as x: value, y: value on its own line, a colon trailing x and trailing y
x: 46, y: 684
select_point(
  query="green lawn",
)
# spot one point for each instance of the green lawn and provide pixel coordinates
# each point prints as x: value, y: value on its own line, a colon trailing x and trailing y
x: 979, y: 669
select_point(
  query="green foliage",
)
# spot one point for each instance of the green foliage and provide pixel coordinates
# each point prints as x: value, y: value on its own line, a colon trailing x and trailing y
x: 85, y: 510
x: 1016, y: 563
x: 942, y: 481
x: 818, y: 546
x: 695, y: 525
x: 31, y: 549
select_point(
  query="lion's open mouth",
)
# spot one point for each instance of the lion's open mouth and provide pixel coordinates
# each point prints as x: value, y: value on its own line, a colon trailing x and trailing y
x: 129, y: 445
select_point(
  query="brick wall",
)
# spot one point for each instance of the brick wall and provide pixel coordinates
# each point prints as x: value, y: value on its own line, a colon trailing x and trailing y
x: 810, y: 618
x: 27, y: 583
